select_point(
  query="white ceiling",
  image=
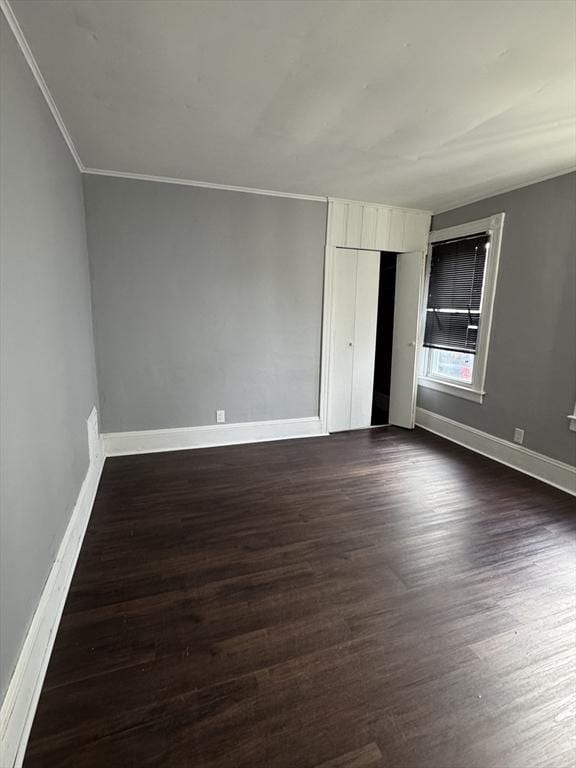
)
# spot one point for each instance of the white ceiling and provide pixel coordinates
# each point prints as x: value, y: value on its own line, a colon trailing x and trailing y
x: 423, y: 103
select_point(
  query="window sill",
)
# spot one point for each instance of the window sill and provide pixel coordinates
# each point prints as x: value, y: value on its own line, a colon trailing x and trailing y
x: 474, y: 395
x: 572, y: 424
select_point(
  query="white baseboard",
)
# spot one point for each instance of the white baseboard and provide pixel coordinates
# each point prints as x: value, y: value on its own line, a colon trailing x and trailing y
x: 21, y: 700
x: 550, y: 471
x: 157, y: 440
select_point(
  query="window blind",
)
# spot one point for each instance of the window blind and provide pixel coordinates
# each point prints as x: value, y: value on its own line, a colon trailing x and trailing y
x: 455, y: 293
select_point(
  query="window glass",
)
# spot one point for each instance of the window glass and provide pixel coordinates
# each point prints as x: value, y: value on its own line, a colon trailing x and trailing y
x: 457, y: 366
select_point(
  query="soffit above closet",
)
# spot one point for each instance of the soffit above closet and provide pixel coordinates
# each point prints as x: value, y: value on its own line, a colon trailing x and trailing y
x: 422, y: 104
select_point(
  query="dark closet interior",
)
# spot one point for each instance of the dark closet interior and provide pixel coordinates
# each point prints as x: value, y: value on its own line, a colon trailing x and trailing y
x: 384, y: 334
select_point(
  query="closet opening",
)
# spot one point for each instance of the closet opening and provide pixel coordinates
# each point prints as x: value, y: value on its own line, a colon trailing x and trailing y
x: 384, y: 339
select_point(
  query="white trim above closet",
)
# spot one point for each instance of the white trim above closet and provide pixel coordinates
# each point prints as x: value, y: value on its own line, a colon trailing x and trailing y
x: 377, y: 227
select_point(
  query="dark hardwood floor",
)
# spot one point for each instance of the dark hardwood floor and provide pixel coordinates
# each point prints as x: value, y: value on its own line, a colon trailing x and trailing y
x: 377, y: 598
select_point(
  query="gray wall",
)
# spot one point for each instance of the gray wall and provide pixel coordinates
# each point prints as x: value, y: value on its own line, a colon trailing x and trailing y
x: 203, y: 299
x: 531, y: 373
x: 48, y: 382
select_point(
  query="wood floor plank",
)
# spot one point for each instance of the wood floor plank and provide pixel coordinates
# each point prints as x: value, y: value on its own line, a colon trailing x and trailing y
x: 365, y: 757
x: 375, y: 599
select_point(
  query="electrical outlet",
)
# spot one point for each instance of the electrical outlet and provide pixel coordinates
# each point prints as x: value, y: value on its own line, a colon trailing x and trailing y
x: 519, y: 436
x: 220, y: 417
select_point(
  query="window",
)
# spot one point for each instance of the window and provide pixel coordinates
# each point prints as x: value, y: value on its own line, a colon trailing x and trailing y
x: 457, y: 307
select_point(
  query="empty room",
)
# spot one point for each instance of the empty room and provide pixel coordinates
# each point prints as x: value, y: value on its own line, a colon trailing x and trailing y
x: 288, y: 383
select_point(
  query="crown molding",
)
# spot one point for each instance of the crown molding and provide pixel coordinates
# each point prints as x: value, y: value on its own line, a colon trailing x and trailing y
x: 202, y: 184
x: 513, y: 188
x: 33, y: 64
x: 249, y: 190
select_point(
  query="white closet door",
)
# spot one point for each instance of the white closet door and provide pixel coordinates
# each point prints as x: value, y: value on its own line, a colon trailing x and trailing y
x: 343, y: 306
x: 409, y: 282
x: 367, y: 274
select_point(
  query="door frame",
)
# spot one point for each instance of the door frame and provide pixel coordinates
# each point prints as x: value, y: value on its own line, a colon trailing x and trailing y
x: 326, y: 345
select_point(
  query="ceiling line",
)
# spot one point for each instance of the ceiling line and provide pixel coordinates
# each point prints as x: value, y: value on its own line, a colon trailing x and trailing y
x: 33, y: 64
x: 203, y: 184
x: 505, y: 190
x: 35, y: 69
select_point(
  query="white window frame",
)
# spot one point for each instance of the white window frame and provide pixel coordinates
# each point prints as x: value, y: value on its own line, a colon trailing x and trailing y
x: 474, y: 391
x: 572, y: 420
